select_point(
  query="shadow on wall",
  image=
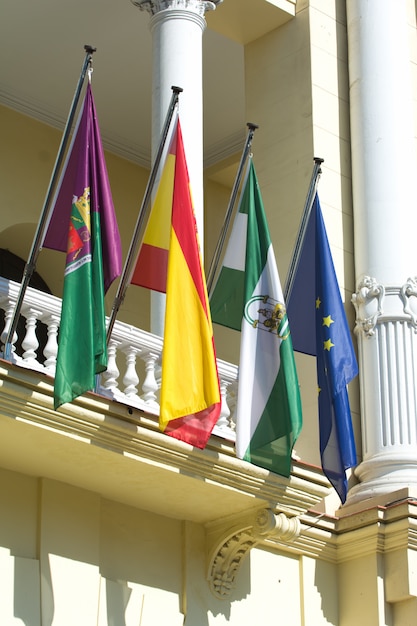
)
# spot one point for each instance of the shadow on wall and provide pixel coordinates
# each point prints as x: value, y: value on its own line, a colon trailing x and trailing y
x: 325, y: 580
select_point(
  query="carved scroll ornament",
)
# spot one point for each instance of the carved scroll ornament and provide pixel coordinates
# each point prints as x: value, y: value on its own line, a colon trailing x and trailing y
x: 375, y: 303
x: 196, y: 6
x: 409, y: 298
x: 233, y: 546
x: 368, y: 301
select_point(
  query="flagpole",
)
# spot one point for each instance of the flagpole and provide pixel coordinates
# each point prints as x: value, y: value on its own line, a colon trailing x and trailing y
x: 142, y: 216
x: 36, y: 244
x: 220, y: 243
x: 303, y: 225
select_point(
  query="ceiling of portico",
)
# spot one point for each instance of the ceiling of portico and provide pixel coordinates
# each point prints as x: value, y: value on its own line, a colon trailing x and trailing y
x: 42, y: 52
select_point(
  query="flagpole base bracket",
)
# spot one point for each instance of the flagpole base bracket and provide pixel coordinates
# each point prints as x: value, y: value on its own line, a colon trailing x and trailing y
x: 230, y: 542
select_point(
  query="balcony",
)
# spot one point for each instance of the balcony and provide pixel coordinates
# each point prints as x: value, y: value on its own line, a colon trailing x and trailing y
x: 134, y: 356
x: 108, y: 441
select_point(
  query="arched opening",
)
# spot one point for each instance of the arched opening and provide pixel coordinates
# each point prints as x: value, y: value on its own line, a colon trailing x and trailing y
x: 12, y: 268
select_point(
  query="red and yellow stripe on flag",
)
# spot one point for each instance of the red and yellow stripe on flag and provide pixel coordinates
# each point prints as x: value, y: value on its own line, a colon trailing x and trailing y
x: 151, y: 266
x: 190, y: 393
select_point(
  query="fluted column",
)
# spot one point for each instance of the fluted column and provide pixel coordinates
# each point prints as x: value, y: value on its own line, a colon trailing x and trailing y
x: 177, y: 28
x: 385, y: 220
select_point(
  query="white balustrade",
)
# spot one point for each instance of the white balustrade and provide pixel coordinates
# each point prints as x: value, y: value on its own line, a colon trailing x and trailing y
x: 134, y: 355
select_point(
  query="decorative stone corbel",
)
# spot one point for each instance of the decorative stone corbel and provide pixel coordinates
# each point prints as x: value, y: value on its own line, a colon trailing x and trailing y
x: 368, y: 301
x: 231, y: 544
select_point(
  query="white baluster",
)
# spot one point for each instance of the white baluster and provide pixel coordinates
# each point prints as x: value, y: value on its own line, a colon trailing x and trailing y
x: 110, y: 376
x: 30, y: 342
x: 51, y: 348
x: 150, y: 386
x: 8, y: 315
x: 131, y: 379
x: 223, y: 421
x: 232, y: 402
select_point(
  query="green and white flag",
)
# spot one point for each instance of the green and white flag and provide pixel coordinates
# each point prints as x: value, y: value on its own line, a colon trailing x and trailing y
x: 248, y: 297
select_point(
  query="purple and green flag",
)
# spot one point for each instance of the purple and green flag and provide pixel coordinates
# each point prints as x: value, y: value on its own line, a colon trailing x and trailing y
x: 83, y: 224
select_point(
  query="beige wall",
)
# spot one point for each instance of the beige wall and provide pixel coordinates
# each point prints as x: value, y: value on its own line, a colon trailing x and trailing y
x: 75, y: 558
x: 362, y: 592
x: 69, y: 556
x: 72, y: 557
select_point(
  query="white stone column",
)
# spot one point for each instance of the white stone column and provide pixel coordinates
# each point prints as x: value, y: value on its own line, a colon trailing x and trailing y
x: 177, y: 28
x: 384, y: 174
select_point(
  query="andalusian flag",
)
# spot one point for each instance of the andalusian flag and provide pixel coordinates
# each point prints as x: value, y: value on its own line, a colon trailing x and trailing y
x: 84, y: 204
x: 248, y: 297
x: 170, y: 261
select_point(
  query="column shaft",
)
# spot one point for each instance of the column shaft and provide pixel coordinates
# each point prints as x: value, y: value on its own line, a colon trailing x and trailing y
x: 385, y: 219
x: 177, y: 28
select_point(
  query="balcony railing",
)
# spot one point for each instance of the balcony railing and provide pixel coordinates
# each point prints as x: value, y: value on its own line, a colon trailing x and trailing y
x: 134, y: 356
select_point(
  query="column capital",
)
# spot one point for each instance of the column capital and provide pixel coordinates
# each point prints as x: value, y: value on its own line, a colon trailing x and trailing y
x: 386, y: 329
x: 195, y: 6
x: 376, y: 303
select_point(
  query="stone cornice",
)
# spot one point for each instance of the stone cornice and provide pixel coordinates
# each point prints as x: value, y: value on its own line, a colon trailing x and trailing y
x: 230, y: 146
x: 370, y: 530
x: 377, y: 529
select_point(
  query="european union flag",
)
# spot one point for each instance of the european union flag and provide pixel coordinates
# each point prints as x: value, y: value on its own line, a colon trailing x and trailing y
x: 324, y: 332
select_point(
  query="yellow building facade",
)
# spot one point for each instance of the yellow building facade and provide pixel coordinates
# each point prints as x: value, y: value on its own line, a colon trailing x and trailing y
x: 104, y: 519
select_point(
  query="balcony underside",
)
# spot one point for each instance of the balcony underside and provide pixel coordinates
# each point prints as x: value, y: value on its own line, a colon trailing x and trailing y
x: 246, y: 20
x: 118, y: 451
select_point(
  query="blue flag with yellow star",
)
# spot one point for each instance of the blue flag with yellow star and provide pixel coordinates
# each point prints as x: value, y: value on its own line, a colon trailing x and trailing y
x: 319, y: 327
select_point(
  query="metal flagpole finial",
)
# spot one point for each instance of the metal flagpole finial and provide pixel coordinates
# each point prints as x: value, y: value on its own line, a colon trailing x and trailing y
x: 251, y: 131
x: 89, y: 50
x: 175, y: 95
x: 318, y: 161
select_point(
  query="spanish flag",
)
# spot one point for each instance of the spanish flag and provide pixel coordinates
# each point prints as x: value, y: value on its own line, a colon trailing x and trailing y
x: 170, y: 261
